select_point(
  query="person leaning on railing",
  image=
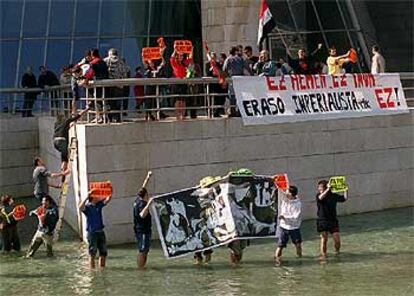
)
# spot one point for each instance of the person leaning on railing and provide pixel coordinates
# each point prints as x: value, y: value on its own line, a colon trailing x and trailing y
x: 100, y: 70
x: 234, y: 65
x: 194, y: 71
x: 116, y: 70
x: 29, y: 81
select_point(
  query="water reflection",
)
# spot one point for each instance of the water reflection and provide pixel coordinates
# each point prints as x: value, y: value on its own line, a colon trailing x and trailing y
x: 225, y: 287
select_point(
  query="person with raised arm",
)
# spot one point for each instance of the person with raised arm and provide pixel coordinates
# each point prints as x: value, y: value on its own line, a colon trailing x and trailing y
x: 304, y: 63
x: 179, y: 64
x: 142, y: 223
x: 327, y: 221
x: 92, y: 209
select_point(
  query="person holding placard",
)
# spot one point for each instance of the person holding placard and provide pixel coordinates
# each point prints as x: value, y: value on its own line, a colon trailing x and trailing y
x: 335, y: 62
x: 8, y: 225
x: 92, y: 209
x: 48, y: 216
x: 179, y: 63
x: 327, y: 221
x: 290, y: 219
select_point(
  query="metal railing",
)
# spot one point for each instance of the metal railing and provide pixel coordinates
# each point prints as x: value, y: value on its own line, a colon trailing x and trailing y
x: 124, y: 99
x: 135, y: 99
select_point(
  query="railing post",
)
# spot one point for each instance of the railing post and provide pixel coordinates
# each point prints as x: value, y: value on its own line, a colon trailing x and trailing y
x: 49, y: 101
x: 96, y: 104
x: 105, y: 117
x: 13, y: 105
x: 88, y: 118
x: 208, y: 100
x: 157, y: 93
x: 121, y: 115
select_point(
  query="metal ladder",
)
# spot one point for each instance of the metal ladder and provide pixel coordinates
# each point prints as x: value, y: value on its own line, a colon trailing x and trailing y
x: 64, y: 190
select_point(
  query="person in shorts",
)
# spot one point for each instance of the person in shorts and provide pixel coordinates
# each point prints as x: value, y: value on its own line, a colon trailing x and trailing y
x: 142, y: 225
x: 290, y: 219
x: 92, y: 209
x: 327, y: 221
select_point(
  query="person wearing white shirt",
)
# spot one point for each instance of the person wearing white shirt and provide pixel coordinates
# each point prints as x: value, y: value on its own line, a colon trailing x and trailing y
x: 290, y: 219
x: 378, y: 61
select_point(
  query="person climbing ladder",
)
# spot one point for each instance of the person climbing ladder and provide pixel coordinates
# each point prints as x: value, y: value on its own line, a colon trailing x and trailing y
x: 61, y: 137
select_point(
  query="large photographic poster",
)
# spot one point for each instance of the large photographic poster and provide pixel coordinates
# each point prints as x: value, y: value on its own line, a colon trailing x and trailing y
x: 291, y: 98
x: 253, y: 202
x: 197, y: 219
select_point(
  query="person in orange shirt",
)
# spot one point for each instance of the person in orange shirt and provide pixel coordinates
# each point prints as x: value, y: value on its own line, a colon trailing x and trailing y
x: 335, y: 62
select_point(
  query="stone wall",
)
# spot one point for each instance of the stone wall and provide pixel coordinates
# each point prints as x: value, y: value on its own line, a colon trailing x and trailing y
x: 229, y: 22
x: 19, y: 143
x: 375, y: 153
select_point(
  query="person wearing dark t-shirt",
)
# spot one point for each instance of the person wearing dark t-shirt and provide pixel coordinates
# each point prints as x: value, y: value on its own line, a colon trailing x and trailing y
x: 8, y: 225
x: 48, y: 215
x: 100, y: 69
x: 47, y: 78
x: 327, y: 220
x: 142, y: 225
x: 61, y: 136
x: 92, y: 209
x: 250, y: 59
x: 304, y: 63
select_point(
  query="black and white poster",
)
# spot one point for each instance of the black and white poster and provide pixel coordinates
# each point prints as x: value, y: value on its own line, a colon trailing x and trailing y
x: 196, y: 219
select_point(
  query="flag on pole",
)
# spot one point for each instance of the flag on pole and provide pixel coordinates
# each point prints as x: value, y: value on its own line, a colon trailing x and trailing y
x: 266, y: 22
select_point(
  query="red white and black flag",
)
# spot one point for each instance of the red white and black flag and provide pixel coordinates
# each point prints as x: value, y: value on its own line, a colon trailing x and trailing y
x: 266, y: 22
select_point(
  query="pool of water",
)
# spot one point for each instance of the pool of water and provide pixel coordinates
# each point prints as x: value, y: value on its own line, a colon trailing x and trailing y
x: 377, y: 259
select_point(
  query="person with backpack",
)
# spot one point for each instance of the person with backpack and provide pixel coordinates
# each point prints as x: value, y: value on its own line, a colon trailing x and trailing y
x: 48, y: 216
x: 116, y: 70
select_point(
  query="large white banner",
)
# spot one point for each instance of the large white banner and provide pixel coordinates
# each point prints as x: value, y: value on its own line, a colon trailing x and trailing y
x: 290, y: 98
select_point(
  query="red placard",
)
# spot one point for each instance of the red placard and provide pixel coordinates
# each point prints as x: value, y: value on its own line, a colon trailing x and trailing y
x: 353, y: 56
x: 183, y: 46
x: 19, y: 212
x: 281, y: 181
x: 151, y: 53
x: 100, y: 190
x: 40, y: 211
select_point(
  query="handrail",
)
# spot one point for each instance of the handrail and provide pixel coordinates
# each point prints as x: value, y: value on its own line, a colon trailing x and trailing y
x: 144, y: 82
